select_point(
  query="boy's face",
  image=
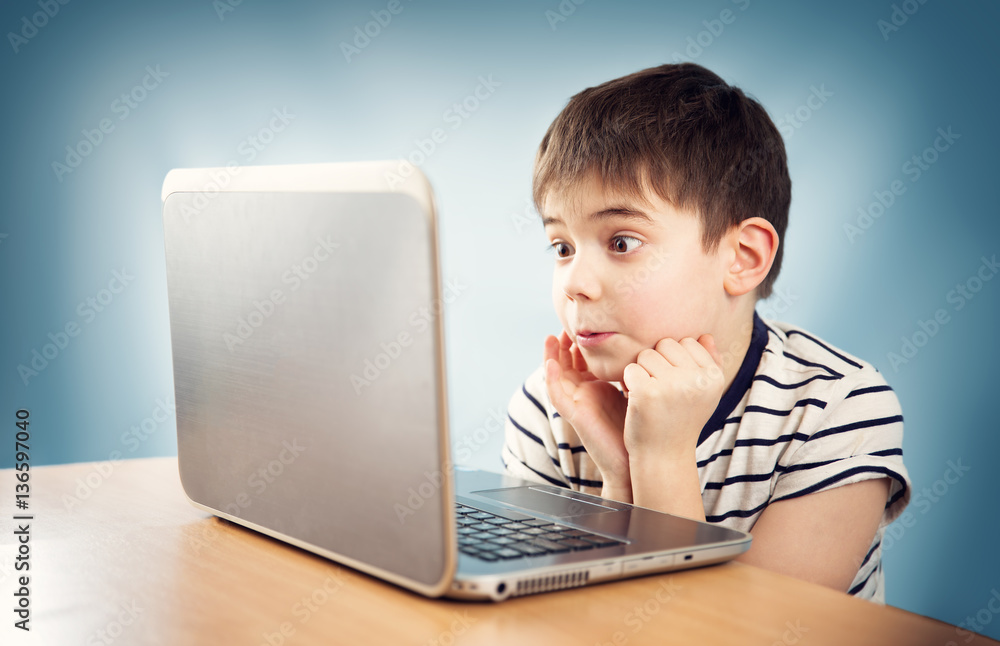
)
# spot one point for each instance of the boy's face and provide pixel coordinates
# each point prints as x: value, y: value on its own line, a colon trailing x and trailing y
x: 629, y: 273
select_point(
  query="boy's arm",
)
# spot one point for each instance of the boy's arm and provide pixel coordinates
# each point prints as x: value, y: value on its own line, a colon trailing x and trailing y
x: 673, y: 390
x: 821, y: 537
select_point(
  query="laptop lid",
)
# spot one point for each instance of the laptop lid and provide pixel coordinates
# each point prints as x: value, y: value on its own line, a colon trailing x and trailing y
x: 310, y: 389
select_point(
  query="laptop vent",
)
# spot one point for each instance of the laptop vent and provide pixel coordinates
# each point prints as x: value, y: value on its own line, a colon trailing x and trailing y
x: 553, y: 582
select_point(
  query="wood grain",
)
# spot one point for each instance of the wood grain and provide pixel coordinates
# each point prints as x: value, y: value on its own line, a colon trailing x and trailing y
x: 134, y: 563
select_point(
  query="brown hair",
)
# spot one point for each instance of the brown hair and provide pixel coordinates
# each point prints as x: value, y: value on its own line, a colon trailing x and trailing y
x: 700, y: 144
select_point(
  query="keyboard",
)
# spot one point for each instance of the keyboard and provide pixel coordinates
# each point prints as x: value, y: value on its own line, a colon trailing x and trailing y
x: 490, y: 537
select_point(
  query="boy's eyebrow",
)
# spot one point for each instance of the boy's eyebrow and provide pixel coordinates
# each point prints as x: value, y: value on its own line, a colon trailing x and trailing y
x: 604, y: 214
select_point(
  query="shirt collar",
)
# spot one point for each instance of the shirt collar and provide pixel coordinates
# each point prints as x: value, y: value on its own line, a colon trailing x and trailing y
x: 742, y: 381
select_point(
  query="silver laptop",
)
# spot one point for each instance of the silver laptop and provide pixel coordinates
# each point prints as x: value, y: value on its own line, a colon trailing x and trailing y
x: 309, y: 372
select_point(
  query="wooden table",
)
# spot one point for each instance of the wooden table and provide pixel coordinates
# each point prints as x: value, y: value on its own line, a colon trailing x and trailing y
x: 118, y: 556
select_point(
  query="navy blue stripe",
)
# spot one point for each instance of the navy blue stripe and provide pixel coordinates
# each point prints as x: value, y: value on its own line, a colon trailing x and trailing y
x: 896, y: 496
x: 867, y: 423
x: 865, y: 391
x: 869, y: 555
x: 572, y: 449
x: 746, y: 513
x: 737, y: 513
x: 810, y: 363
x: 741, y: 382
x: 750, y: 477
x: 555, y: 415
x: 783, y: 413
x: 547, y: 478
x: 886, y: 452
x: 718, y: 455
x: 859, y: 587
x: 760, y: 477
x: 840, y: 476
x: 775, y: 383
x: 525, y: 431
x: 584, y: 482
x: 825, y: 347
x: 770, y: 329
x: 533, y: 400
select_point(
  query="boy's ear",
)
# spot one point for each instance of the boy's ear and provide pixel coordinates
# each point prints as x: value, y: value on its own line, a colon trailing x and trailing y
x: 754, y: 243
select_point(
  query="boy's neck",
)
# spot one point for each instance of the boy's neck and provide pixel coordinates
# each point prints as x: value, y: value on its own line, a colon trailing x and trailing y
x: 733, y: 341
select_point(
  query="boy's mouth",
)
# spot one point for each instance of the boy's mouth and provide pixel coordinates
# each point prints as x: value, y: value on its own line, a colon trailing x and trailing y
x: 591, y: 339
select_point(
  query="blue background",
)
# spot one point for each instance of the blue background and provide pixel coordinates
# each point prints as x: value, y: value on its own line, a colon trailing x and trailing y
x: 63, y: 236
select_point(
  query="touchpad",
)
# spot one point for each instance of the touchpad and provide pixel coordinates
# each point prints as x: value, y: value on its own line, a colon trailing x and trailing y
x: 550, y: 501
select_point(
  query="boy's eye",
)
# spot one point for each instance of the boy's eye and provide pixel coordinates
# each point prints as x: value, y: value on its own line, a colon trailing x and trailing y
x: 562, y: 249
x: 624, y: 244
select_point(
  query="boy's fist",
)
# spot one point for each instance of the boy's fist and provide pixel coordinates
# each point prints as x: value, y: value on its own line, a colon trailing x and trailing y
x: 673, y: 391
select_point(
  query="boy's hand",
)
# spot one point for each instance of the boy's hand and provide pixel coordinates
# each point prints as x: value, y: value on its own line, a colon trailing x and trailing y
x: 595, y: 408
x: 673, y: 391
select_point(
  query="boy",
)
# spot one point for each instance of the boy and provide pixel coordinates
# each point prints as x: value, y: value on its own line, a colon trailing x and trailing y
x: 664, y: 195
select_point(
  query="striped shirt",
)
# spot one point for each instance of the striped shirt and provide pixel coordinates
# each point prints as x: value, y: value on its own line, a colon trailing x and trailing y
x: 800, y: 416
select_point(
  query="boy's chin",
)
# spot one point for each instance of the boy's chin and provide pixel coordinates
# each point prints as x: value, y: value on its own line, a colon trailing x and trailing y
x: 607, y: 370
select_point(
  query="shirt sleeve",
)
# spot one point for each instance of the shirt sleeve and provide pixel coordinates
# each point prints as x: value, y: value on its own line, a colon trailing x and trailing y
x: 859, y: 438
x: 530, y: 449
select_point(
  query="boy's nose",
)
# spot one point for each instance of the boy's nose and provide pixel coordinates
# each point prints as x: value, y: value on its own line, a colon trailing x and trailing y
x: 581, y: 281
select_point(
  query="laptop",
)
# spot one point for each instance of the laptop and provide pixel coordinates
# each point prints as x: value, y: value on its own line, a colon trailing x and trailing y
x: 307, y: 340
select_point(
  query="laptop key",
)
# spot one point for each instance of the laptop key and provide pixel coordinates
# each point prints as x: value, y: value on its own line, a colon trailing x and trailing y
x: 508, y: 553
x: 466, y: 530
x: 496, y: 520
x: 482, y: 535
x: 480, y: 515
x: 553, y: 536
x: 502, y: 540
x: 535, y: 522
x: 550, y: 546
x: 529, y: 549
x: 500, y: 531
x: 481, y: 527
x: 487, y: 556
x: 577, y: 544
x: 600, y: 541
x: 535, y: 531
x: 575, y: 533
